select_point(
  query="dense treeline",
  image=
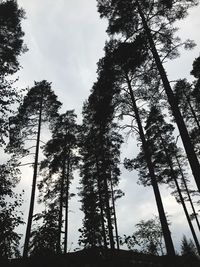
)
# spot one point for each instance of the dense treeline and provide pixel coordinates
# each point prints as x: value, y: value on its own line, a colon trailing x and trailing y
x: 133, y: 92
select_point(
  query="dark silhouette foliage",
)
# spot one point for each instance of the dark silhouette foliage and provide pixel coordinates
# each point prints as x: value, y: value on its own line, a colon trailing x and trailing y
x: 10, y: 214
x: 129, y: 18
x: 57, y: 168
x: 11, y: 47
x: 39, y: 105
x: 148, y: 238
x: 11, y: 36
x: 43, y: 240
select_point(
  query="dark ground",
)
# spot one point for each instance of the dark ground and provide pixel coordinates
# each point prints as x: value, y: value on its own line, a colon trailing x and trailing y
x: 99, y: 258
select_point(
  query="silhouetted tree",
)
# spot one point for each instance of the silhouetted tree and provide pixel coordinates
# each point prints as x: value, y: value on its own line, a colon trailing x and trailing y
x: 11, y: 36
x: 108, y: 143
x: 155, y: 19
x: 195, y: 132
x: 93, y: 229
x: 61, y: 159
x: 161, y: 142
x: 11, y: 47
x: 43, y: 241
x: 186, y: 98
x: 100, y: 151
x: 185, y: 187
x: 10, y: 216
x: 188, y: 247
x: 126, y: 67
x: 183, y: 93
x: 148, y: 238
x: 39, y: 105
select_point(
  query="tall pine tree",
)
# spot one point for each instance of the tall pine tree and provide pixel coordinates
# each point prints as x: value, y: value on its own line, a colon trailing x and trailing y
x: 155, y: 19
x: 58, y: 166
x: 39, y: 105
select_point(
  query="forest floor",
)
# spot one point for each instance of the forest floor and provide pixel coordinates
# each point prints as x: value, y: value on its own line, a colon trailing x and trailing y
x: 100, y: 258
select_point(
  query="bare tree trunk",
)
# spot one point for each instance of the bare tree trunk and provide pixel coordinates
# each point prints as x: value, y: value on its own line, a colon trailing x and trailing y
x: 107, y: 198
x: 188, y: 193
x: 180, y: 195
x: 192, y: 158
x: 101, y: 203
x: 114, y: 211
x: 193, y: 112
x: 60, y: 217
x: 110, y: 230
x: 165, y: 228
x: 32, y: 201
x: 67, y: 203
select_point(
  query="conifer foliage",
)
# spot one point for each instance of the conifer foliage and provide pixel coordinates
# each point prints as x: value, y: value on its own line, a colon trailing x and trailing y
x: 133, y: 92
x: 100, y: 156
x: 129, y: 18
x: 40, y: 105
x: 11, y: 47
x: 10, y: 214
x: 61, y: 159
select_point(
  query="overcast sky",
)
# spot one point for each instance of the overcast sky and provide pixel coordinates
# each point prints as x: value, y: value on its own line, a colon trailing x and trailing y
x: 65, y: 41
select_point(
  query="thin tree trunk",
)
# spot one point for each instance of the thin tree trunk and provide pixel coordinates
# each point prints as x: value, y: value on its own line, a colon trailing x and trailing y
x: 101, y: 203
x: 32, y: 200
x: 165, y: 228
x: 180, y: 195
x: 188, y: 193
x: 110, y: 230
x: 114, y: 211
x: 67, y: 204
x: 107, y: 197
x: 59, y: 250
x: 193, y: 112
x: 192, y: 158
x: 187, y: 216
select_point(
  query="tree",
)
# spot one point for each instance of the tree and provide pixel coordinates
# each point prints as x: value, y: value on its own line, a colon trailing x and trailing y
x: 93, y: 227
x: 186, y: 97
x: 10, y: 216
x: 148, y: 237
x: 11, y: 47
x: 196, y: 97
x: 58, y: 166
x: 11, y: 36
x: 155, y: 19
x: 148, y: 159
x: 125, y: 66
x: 162, y: 145
x: 100, y: 154
x: 39, y: 105
x: 186, y: 101
x: 44, y: 236
x: 181, y: 164
x: 187, y: 247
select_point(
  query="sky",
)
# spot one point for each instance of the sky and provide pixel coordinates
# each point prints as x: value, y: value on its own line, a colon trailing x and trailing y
x: 65, y: 41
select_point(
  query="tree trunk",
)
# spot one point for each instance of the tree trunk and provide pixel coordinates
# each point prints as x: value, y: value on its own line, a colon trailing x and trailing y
x: 188, y: 193
x: 32, y: 200
x: 165, y: 228
x: 114, y: 211
x: 193, y: 112
x: 107, y: 198
x: 67, y: 203
x: 110, y: 230
x: 59, y: 250
x: 192, y: 158
x: 101, y: 203
x: 169, y: 162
